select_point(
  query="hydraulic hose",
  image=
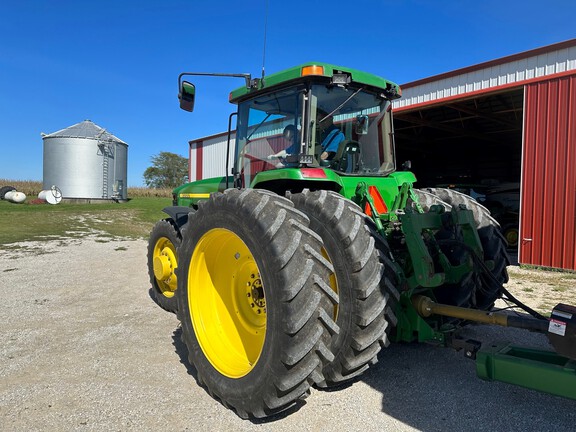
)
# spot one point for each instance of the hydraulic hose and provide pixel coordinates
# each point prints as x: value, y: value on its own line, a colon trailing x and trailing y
x: 482, y: 266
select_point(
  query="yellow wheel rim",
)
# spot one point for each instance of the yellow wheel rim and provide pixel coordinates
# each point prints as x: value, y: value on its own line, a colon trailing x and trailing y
x: 512, y: 237
x: 333, y: 281
x: 165, y: 263
x: 227, y: 302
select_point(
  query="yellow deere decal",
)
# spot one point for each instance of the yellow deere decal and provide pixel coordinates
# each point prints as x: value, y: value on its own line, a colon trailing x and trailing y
x: 194, y: 195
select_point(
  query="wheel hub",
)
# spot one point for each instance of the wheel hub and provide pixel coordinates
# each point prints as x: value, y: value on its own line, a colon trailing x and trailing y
x: 164, y: 266
x: 255, y: 294
x: 161, y: 267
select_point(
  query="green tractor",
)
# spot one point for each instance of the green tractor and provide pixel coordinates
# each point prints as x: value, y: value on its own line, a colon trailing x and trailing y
x: 316, y: 253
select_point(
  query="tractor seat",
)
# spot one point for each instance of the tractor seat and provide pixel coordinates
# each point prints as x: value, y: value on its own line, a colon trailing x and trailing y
x: 347, y: 157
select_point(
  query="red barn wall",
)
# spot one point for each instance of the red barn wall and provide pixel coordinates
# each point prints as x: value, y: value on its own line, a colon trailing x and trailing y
x: 548, y: 202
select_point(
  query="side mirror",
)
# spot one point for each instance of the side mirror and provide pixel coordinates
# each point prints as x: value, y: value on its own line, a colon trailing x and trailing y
x: 407, y: 166
x: 186, y: 96
x: 361, y: 125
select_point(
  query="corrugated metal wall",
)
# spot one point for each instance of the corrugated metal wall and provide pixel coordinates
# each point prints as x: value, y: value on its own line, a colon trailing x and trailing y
x: 494, y: 75
x: 548, y: 214
x: 193, y: 161
x: 208, y: 157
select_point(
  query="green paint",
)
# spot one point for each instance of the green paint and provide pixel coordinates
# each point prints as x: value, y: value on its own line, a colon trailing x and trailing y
x: 294, y: 75
x: 544, y: 371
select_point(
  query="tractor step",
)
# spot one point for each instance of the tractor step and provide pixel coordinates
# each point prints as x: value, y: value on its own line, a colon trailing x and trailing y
x: 536, y: 369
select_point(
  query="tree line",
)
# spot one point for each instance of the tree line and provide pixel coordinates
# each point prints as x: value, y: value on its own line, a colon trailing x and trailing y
x: 168, y: 170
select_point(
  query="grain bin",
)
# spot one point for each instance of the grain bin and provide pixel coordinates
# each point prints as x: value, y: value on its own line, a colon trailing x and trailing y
x: 86, y: 162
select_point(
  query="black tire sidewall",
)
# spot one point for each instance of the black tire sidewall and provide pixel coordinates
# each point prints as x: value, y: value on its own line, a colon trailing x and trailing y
x: 344, y: 280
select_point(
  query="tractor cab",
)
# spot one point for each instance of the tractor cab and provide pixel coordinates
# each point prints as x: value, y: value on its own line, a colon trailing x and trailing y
x: 323, y: 117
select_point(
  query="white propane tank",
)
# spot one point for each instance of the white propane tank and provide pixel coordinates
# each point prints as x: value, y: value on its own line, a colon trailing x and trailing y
x: 51, y: 196
x: 15, y: 197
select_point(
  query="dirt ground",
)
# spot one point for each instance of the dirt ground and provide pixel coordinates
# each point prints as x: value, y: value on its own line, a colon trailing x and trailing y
x: 83, y: 347
x: 541, y: 290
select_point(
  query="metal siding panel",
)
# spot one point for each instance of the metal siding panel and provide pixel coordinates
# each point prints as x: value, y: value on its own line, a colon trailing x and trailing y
x: 527, y: 176
x: 538, y: 163
x: 215, y: 156
x: 210, y: 159
x: 548, y: 188
x: 548, y: 213
x: 215, y: 159
x: 199, y: 159
x: 558, y: 174
x: 569, y: 199
x: 192, y: 163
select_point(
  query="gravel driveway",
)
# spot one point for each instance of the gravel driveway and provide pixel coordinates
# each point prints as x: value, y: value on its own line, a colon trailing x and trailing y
x: 83, y: 347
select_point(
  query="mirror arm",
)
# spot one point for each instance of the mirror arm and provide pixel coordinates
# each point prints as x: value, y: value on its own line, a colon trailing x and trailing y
x: 247, y: 77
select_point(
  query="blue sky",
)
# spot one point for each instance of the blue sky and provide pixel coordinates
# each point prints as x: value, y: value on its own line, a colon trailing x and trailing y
x: 117, y: 62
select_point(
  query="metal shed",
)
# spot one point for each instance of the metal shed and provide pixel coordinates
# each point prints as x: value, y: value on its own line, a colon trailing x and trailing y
x: 86, y: 162
x: 507, y: 121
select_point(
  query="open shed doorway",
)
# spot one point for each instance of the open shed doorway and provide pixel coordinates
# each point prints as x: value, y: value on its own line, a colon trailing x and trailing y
x: 473, y: 145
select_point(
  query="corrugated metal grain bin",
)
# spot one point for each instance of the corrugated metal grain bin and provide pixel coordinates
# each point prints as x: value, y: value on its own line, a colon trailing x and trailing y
x: 86, y: 161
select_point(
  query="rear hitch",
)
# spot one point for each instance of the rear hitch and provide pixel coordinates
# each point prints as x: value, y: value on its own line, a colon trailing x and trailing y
x: 470, y: 346
x: 542, y: 370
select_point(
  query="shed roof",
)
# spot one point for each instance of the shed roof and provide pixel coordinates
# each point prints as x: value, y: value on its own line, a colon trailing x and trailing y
x: 505, y: 73
x: 87, y: 130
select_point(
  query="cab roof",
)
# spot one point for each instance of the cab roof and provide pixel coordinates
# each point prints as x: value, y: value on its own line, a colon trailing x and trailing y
x: 306, y: 71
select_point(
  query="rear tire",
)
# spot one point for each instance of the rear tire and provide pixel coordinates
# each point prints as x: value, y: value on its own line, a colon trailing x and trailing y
x: 488, y: 289
x: 511, y: 234
x: 5, y: 189
x: 163, y: 262
x: 254, y: 302
x: 364, y: 279
x: 457, y: 294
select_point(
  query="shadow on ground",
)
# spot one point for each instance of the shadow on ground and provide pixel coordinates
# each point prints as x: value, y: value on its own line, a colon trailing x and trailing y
x: 436, y: 389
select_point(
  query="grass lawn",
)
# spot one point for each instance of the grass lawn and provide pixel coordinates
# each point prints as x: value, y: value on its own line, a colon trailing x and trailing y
x: 134, y: 219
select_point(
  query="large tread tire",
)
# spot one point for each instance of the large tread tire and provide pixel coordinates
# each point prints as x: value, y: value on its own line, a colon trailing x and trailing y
x: 258, y: 368
x: 364, y: 279
x: 489, y: 287
x: 162, y: 263
x: 456, y: 294
x: 5, y: 189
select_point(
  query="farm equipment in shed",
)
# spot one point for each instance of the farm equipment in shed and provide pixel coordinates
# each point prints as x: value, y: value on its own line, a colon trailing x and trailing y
x: 315, y: 253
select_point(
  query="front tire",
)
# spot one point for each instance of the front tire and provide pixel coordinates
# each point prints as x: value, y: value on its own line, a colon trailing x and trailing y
x: 162, y: 263
x: 363, y: 277
x: 255, y: 307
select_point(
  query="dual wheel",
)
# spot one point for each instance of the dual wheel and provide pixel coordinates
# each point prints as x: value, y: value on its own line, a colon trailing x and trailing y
x: 275, y: 294
x: 259, y: 282
x: 478, y: 289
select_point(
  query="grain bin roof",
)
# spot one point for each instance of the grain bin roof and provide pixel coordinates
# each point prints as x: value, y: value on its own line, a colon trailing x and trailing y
x: 87, y: 130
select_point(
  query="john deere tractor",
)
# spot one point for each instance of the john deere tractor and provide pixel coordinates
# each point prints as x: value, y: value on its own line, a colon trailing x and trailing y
x: 315, y: 252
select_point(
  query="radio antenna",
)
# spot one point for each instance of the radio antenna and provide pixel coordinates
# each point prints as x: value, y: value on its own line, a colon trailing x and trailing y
x: 265, y: 31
